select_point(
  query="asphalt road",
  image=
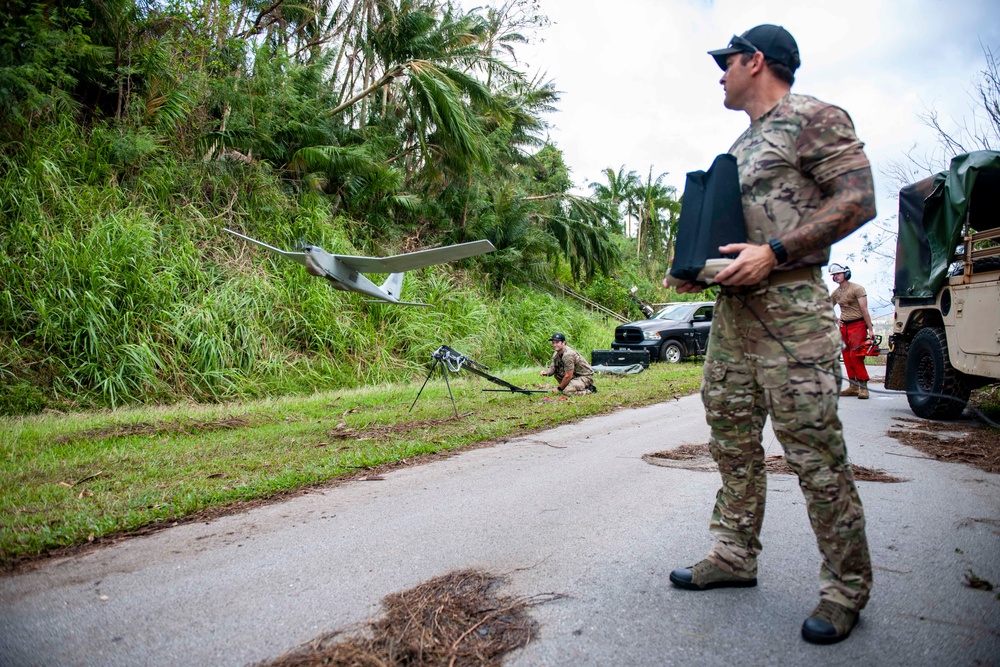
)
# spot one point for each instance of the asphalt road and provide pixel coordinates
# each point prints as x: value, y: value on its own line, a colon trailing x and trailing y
x: 574, y: 510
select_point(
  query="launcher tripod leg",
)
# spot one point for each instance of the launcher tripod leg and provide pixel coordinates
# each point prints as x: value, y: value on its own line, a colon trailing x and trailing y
x: 444, y: 371
x: 429, y: 374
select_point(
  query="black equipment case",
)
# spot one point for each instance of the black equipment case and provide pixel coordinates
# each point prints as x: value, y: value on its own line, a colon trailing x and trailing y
x: 619, y: 358
x: 712, y: 215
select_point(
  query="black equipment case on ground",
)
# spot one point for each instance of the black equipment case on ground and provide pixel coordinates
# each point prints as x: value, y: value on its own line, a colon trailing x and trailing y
x: 619, y: 358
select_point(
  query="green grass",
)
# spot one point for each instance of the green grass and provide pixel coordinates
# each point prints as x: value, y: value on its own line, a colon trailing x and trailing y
x: 78, y: 477
x: 987, y: 401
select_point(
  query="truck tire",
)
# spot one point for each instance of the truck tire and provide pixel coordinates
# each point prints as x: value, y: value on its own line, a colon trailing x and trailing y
x: 671, y: 352
x: 934, y: 389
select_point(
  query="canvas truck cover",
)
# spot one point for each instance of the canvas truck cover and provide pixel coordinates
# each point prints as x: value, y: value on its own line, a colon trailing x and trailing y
x: 931, y: 215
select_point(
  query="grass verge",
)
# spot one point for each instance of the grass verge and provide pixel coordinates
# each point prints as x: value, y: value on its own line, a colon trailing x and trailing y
x: 70, y: 479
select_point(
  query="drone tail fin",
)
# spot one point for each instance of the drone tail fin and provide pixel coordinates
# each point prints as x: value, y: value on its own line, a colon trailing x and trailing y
x: 393, y: 285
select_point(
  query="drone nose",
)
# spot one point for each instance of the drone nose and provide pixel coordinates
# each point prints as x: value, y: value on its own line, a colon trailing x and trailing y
x: 312, y: 267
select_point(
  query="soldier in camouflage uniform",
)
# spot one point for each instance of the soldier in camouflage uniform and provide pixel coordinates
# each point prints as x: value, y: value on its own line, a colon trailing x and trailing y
x: 805, y: 183
x: 574, y: 374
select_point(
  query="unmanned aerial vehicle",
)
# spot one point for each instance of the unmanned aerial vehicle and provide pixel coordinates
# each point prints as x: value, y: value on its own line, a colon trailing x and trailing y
x: 345, y: 271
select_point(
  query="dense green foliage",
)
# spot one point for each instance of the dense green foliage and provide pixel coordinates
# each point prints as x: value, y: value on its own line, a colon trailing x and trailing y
x: 134, y: 131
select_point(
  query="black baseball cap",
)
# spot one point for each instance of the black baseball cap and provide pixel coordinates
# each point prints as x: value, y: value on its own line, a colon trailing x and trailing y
x: 558, y: 336
x: 772, y: 40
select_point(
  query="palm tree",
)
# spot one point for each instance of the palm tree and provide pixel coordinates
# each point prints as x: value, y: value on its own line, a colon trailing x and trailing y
x: 618, y: 194
x: 658, y: 209
x: 423, y: 63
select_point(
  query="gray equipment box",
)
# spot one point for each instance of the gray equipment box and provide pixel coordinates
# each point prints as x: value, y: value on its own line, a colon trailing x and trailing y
x: 619, y: 358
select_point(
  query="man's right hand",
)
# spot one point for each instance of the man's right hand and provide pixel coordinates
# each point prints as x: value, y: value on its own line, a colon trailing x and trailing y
x: 753, y: 264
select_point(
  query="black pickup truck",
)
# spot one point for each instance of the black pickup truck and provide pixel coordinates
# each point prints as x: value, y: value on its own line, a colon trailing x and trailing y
x: 677, y: 331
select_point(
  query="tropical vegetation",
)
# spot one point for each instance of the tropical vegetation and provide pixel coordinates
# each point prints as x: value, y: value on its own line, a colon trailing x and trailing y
x: 134, y: 131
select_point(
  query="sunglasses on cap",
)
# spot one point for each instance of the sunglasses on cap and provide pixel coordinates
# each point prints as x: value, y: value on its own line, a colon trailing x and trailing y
x: 742, y: 44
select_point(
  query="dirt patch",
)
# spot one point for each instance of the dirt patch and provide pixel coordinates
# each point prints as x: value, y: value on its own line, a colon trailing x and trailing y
x: 455, y: 620
x: 188, y: 427
x: 342, y: 430
x: 697, y: 457
x: 192, y: 426
x: 951, y: 441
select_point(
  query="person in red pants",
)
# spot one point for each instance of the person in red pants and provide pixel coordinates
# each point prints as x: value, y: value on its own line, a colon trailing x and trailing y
x: 855, y: 328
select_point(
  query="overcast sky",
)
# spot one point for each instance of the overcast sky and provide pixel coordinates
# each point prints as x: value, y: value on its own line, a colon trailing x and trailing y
x: 637, y: 88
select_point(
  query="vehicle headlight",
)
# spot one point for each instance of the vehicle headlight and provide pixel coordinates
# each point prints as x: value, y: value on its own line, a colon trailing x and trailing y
x: 651, y: 335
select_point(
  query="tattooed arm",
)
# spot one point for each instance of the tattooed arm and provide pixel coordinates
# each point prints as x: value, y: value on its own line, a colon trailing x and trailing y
x: 849, y: 203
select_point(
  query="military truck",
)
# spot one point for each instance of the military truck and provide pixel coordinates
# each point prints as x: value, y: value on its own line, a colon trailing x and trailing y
x: 945, y: 340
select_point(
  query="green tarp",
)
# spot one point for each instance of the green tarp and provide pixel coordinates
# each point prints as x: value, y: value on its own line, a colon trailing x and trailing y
x: 931, y: 215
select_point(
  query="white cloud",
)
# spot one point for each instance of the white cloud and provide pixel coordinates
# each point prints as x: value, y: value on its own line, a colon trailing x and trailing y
x: 639, y: 89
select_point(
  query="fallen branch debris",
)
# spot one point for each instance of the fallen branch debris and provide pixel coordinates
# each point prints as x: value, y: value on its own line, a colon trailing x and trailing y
x: 697, y: 457
x: 951, y: 442
x: 456, y: 620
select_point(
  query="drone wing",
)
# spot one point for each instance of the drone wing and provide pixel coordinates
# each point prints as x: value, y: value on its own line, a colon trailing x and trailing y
x: 299, y: 257
x: 411, y: 260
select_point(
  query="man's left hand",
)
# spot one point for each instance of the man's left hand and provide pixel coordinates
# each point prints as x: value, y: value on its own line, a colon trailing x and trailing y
x: 752, y: 265
x: 684, y: 288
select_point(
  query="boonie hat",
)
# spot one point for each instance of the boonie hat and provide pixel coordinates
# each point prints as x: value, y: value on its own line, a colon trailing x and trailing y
x: 772, y: 40
x: 558, y: 336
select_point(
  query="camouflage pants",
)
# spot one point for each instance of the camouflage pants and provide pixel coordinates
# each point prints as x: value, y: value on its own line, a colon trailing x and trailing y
x: 747, y: 376
x: 578, y: 386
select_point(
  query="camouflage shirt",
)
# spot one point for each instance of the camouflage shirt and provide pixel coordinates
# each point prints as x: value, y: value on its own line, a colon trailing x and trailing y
x: 572, y: 360
x: 784, y: 158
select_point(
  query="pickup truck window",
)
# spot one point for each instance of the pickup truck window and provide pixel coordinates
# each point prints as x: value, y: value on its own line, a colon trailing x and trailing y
x: 704, y: 314
x: 675, y: 312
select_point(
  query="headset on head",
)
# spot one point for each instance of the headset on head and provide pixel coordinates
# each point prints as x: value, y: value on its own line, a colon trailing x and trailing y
x: 837, y: 268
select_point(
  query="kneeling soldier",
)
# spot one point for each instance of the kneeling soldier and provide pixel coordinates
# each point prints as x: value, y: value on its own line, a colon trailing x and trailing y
x: 570, y: 368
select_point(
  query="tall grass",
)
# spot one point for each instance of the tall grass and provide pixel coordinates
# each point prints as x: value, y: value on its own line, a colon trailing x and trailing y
x: 118, y: 286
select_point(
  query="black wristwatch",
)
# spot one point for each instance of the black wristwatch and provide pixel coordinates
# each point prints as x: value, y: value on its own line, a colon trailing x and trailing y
x: 778, y: 248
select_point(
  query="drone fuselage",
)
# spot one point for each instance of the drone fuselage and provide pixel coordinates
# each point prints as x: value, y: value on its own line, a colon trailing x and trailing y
x: 346, y: 272
x: 323, y: 265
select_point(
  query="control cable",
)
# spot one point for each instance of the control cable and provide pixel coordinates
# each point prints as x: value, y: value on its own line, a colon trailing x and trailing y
x: 976, y: 411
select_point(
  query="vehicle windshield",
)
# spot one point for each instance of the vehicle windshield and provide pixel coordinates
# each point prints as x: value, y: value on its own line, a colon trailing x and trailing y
x: 674, y: 312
